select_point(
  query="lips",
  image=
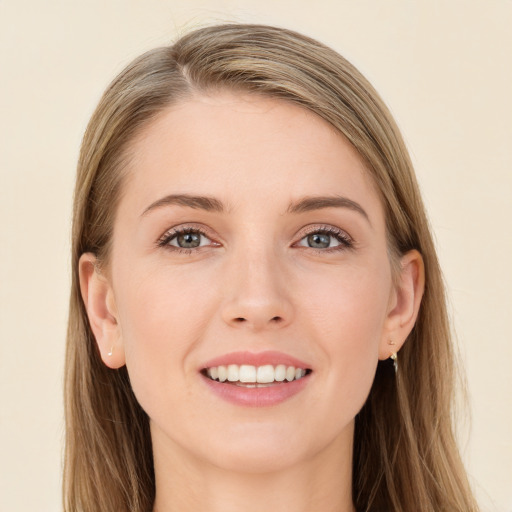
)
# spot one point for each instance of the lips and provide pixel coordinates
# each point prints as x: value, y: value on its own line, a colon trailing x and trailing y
x: 256, y: 379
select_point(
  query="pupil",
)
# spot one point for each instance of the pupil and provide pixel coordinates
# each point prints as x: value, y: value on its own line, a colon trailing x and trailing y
x: 189, y: 240
x: 318, y: 241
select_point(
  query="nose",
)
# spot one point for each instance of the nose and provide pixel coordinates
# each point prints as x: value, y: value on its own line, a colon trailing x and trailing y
x: 256, y: 294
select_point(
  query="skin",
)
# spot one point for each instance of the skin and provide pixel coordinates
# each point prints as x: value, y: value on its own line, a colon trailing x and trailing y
x: 254, y: 284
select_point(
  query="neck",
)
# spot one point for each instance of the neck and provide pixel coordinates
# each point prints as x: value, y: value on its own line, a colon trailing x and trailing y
x: 186, y: 484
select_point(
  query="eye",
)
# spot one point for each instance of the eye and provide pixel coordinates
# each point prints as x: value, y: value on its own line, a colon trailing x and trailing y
x: 185, y: 239
x: 326, y: 238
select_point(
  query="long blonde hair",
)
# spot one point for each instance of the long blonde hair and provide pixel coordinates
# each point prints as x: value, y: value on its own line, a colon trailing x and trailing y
x: 405, y: 454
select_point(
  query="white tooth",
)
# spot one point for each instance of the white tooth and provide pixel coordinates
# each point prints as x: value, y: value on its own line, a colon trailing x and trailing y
x: 280, y: 373
x: 222, y: 373
x: 265, y: 374
x: 247, y: 373
x: 290, y: 373
x: 303, y: 373
x: 213, y: 372
x: 298, y: 373
x: 209, y: 372
x: 233, y: 372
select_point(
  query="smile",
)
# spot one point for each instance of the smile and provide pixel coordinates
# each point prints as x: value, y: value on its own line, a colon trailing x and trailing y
x: 255, y: 376
x: 256, y: 379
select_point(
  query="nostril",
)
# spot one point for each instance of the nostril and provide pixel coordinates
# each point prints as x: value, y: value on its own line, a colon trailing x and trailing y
x: 239, y: 320
x: 276, y: 319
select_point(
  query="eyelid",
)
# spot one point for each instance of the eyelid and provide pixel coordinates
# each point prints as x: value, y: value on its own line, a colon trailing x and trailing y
x: 346, y: 241
x: 169, y: 234
x: 326, y: 228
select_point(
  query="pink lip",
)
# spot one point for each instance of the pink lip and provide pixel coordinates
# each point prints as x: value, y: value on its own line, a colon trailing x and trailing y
x: 256, y: 359
x: 257, y: 396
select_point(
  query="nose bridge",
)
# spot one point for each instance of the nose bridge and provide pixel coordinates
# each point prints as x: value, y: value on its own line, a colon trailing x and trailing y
x: 256, y: 292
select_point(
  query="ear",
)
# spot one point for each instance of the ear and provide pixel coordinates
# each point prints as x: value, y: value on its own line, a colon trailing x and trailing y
x: 98, y: 297
x: 404, y: 304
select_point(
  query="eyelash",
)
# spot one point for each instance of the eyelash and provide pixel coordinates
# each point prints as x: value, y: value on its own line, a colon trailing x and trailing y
x: 165, y: 240
x: 346, y: 242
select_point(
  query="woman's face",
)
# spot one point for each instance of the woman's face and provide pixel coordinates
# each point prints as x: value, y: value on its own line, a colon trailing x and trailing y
x: 248, y: 234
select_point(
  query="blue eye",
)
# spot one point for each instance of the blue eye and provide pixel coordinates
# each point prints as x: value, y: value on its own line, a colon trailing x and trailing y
x: 326, y: 239
x: 188, y: 239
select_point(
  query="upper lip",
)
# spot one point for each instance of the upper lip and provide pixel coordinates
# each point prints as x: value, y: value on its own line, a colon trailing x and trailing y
x: 256, y: 359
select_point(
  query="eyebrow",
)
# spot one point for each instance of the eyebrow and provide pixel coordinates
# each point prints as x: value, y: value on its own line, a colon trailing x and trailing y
x: 209, y: 204
x: 308, y: 204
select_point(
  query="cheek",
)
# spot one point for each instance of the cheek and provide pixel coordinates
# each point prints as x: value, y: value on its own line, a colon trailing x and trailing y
x: 159, y: 305
x: 348, y: 310
x: 348, y: 304
x: 162, y: 315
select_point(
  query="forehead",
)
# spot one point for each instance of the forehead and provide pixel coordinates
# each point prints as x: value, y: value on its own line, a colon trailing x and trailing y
x: 243, y: 147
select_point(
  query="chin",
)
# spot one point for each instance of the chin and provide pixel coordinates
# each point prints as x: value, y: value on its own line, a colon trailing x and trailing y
x: 257, y: 457
x: 266, y: 448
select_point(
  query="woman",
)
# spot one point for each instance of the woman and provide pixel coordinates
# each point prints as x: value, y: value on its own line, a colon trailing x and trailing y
x: 257, y: 314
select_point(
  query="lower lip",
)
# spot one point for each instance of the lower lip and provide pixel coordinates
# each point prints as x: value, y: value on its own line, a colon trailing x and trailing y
x: 256, y: 397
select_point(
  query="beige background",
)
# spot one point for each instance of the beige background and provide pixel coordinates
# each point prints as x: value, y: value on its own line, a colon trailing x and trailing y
x: 444, y: 68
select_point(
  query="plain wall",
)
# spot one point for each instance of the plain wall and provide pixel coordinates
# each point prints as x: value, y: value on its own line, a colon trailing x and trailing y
x: 443, y: 67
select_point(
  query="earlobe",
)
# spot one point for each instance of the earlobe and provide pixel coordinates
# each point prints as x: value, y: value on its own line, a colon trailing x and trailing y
x: 99, y: 301
x: 405, y: 304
